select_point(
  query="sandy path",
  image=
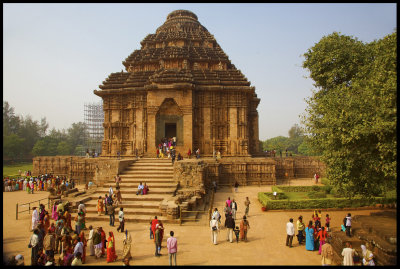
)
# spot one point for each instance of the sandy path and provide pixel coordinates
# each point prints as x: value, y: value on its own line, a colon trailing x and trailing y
x: 266, y: 245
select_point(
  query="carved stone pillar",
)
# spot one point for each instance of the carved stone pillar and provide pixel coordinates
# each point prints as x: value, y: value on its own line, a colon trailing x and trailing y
x: 187, y: 127
x: 233, y: 131
x: 151, y: 129
x: 207, y: 131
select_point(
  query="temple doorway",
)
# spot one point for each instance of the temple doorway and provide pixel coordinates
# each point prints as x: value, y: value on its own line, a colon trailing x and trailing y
x: 170, y: 130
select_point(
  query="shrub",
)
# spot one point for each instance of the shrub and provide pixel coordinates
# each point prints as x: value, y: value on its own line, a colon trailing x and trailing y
x: 316, y: 194
x: 321, y: 202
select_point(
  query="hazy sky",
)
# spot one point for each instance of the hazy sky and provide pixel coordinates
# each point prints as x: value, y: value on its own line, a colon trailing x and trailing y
x: 55, y: 55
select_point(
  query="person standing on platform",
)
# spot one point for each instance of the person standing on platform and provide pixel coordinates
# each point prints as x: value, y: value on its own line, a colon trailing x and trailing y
x: 289, y: 232
x: 230, y: 225
x: 172, y: 245
x: 247, y: 205
x: 300, y: 230
x: 214, y: 230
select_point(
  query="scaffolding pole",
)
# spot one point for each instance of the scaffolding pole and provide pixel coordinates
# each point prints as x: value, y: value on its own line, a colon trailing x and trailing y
x: 94, y: 118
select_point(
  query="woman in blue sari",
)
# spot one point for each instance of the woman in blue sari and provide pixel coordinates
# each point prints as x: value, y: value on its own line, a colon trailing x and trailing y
x: 309, y: 236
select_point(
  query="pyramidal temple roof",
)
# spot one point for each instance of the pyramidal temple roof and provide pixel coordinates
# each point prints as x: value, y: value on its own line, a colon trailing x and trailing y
x: 181, y: 50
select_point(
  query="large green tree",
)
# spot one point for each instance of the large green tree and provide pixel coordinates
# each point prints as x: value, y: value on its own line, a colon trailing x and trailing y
x: 351, y: 116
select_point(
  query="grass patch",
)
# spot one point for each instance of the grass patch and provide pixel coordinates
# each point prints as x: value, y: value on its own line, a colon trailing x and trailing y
x: 12, y: 170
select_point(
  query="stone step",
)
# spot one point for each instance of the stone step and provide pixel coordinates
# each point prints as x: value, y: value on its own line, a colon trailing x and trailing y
x: 132, y: 219
x: 133, y: 191
x: 129, y: 211
x: 133, y: 185
x: 128, y: 204
x: 134, y: 197
x: 148, y: 170
x: 153, y: 160
x: 159, y: 175
x: 137, y: 181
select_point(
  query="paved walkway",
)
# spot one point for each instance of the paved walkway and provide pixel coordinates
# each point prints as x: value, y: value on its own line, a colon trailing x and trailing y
x: 266, y: 245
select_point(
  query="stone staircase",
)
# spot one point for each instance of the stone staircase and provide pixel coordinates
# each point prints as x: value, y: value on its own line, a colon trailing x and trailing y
x: 156, y: 173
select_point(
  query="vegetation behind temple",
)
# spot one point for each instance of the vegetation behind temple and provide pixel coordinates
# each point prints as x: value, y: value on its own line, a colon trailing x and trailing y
x: 351, y: 116
x: 24, y: 138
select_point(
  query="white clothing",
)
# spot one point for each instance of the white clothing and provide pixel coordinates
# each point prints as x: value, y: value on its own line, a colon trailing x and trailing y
x: 229, y: 235
x: 290, y: 228
x: 90, y: 242
x: 34, y: 240
x: 111, y: 192
x: 348, y: 221
x: 140, y: 187
x: 214, y: 234
x: 348, y: 254
x: 35, y: 219
x: 120, y: 215
x: 216, y: 215
x: 82, y: 206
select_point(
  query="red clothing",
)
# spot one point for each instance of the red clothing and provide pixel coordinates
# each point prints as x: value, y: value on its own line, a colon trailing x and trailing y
x: 103, y: 239
x: 111, y: 256
x: 322, y: 235
x: 153, y: 227
x: 83, y: 240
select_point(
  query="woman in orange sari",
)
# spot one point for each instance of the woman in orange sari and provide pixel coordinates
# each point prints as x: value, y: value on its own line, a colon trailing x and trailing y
x: 46, y: 221
x: 100, y: 206
x: 84, y: 241
x: 111, y: 256
x: 68, y: 219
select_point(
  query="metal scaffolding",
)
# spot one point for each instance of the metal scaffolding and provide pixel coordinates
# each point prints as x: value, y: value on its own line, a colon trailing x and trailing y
x: 94, y: 118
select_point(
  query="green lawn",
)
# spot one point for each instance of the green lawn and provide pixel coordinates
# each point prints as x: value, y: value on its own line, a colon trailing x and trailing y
x: 12, y: 170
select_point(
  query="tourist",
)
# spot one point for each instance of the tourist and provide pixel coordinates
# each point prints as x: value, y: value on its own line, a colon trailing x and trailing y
x: 103, y: 241
x: 214, y: 230
x: 140, y: 189
x: 317, y: 229
x: 121, y: 220
x: 126, y: 252
x: 111, y: 254
x: 78, y: 246
x: 111, y: 212
x: 153, y: 226
x: 229, y: 202
x: 218, y: 155
x: 110, y: 192
x: 244, y: 226
x: 34, y: 244
x: 189, y: 153
x: 161, y: 232
x: 247, y: 205
x: 348, y: 224
x: 322, y: 235
x: 234, y: 208
x: 216, y: 215
x: 198, y: 153
x: 236, y: 186
x: 68, y: 219
x: 172, y: 245
x: 77, y: 260
x: 97, y: 242
x: 327, y: 253
x: 35, y: 218
x: 106, y: 203
x: 227, y: 210
x: 368, y: 256
x: 230, y: 225
x: 145, y: 189
x: 80, y: 223
x: 289, y: 232
x: 58, y: 237
x: 117, y: 181
x: 46, y: 221
x: 214, y: 185
x: 348, y: 254
x: 309, y: 236
x: 100, y: 206
x: 118, y: 196
x: 316, y: 177
x: 49, y: 243
x: 300, y: 230
x: 82, y: 207
x: 84, y: 243
x: 90, y: 240
x: 157, y: 240
x: 327, y: 222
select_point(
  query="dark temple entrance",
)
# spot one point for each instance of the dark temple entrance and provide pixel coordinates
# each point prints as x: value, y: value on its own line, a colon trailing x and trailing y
x: 170, y: 130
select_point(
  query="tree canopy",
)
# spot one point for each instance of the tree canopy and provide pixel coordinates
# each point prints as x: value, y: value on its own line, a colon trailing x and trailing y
x: 351, y: 116
x: 24, y: 137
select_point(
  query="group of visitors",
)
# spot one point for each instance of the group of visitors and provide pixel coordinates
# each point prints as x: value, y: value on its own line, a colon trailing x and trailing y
x: 40, y: 183
x: 58, y: 237
x: 317, y: 238
x: 166, y: 147
x: 230, y: 210
x: 157, y: 234
x: 142, y: 189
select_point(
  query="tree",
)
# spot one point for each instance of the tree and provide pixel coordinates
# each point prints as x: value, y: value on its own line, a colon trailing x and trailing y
x: 13, y: 146
x: 276, y: 143
x: 76, y: 135
x: 351, y: 116
x: 63, y: 148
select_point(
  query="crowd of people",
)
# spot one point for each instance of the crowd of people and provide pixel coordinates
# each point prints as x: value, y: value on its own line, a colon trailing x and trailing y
x: 230, y: 210
x: 317, y: 238
x: 32, y: 184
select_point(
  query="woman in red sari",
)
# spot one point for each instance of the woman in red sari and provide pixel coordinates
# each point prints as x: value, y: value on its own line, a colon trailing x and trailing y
x: 84, y: 241
x: 46, y: 221
x: 111, y: 256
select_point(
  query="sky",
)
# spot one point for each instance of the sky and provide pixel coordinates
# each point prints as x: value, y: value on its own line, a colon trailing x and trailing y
x: 55, y: 55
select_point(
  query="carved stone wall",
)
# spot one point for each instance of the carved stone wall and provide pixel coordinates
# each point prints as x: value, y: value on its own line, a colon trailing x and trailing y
x: 299, y: 167
x: 97, y: 170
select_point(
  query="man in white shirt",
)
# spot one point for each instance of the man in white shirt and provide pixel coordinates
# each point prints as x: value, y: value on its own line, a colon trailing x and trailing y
x: 216, y: 215
x: 121, y: 220
x: 348, y: 253
x: 289, y: 232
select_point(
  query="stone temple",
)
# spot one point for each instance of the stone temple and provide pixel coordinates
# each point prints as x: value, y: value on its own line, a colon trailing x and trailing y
x: 181, y: 84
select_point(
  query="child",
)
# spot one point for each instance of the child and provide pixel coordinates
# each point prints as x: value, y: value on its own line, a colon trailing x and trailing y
x: 327, y: 221
x: 237, y: 231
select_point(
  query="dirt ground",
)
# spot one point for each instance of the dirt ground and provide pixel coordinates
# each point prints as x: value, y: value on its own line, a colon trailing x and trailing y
x: 265, y: 246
